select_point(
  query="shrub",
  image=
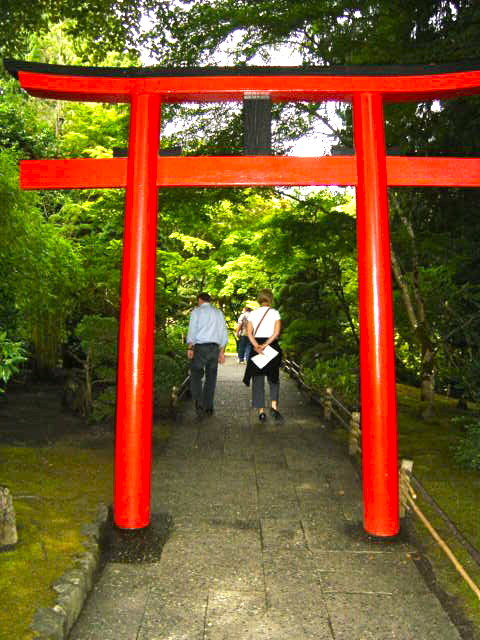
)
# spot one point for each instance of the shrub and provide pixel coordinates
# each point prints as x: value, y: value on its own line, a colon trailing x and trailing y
x: 12, y: 354
x: 467, y: 450
x: 167, y: 373
x: 98, y: 337
x: 340, y: 373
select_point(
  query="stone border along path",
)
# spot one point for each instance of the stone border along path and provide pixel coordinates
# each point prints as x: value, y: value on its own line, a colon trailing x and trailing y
x: 266, y: 542
x: 73, y: 587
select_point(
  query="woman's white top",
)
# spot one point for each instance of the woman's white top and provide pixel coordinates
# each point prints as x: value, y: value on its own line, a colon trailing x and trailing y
x: 267, y: 325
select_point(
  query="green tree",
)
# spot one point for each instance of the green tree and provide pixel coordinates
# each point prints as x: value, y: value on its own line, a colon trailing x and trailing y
x: 39, y: 271
x: 333, y: 32
x: 378, y: 32
x: 311, y: 246
x: 96, y: 26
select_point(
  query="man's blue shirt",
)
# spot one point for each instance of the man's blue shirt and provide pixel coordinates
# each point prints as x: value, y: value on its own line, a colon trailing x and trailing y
x: 207, y: 324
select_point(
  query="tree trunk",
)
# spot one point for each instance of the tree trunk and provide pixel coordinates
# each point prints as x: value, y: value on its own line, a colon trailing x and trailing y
x: 415, y: 309
x: 427, y: 393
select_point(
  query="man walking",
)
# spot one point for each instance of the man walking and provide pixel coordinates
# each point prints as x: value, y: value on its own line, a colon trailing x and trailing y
x: 206, y: 341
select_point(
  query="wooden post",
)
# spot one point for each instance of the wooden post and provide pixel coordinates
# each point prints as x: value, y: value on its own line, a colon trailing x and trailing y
x: 8, y: 526
x: 174, y: 396
x: 327, y: 404
x: 404, y: 475
x: 354, y: 434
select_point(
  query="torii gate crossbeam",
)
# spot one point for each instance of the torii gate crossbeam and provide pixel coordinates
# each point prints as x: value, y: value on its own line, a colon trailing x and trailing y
x: 370, y: 170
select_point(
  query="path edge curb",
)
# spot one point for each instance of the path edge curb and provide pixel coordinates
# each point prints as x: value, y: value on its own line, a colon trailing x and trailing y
x: 73, y: 587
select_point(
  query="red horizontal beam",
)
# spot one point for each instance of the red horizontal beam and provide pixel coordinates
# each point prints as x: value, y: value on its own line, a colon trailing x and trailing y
x: 404, y: 171
x: 280, y: 88
x: 241, y: 171
x: 73, y: 173
x: 244, y: 171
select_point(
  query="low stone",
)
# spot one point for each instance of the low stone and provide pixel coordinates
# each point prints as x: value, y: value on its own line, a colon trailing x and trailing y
x: 102, y: 514
x: 71, y: 601
x: 48, y: 624
x: 8, y: 526
x: 92, y: 530
x: 91, y: 547
x: 73, y: 586
x: 88, y: 564
x: 72, y: 576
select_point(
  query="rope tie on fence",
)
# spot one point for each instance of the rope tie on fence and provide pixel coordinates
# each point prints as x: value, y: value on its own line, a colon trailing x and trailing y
x: 355, y: 433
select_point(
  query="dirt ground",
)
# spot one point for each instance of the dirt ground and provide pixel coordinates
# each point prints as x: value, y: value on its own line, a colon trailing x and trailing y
x: 31, y: 413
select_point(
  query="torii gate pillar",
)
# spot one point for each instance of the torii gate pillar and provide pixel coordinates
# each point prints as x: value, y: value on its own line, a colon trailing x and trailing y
x: 377, y: 362
x: 133, y: 436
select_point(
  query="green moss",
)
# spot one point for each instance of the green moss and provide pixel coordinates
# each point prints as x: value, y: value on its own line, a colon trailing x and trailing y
x: 56, y: 490
x: 430, y: 445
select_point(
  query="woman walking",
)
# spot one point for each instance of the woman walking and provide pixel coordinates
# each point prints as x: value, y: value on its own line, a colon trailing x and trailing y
x: 263, y: 330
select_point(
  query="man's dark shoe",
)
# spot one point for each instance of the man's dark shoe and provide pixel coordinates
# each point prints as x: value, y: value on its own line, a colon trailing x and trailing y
x: 200, y: 412
x: 277, y: 416
x: 209, y: 412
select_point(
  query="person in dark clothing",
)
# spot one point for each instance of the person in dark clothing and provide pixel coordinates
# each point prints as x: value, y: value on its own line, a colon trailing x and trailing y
x: 243, y: 344
x: 206, y: 340
x: 263, y: 329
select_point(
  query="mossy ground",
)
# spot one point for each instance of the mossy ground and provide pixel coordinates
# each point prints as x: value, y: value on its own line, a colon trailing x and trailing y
x: 430, y: 444
x: 56, y: 490
x: 57, y: 487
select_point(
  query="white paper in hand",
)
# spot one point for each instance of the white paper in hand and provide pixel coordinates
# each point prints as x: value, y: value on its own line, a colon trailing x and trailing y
x: 262, y: 359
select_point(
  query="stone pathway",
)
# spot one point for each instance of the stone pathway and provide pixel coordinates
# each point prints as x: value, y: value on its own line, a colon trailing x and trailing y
x: 267, y: 542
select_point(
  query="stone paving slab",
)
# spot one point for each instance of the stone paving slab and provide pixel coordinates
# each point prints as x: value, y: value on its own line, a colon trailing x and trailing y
x: 368, y: 573
x: 267, y: 541
x: 233, y: 614
x: 303, y: 612
x: 383, y: 617
x: 169, y: 615
x: 115, y: 608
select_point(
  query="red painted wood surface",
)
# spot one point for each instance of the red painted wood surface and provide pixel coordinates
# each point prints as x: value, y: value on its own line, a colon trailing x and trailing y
x: 133, y: 436
x: 220, y: 88
x: 369, y: 170
x: 377, y: 363
x: 232, y: 171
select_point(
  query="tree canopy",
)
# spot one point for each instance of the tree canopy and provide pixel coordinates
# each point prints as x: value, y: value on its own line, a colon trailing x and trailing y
x: 234, y: 241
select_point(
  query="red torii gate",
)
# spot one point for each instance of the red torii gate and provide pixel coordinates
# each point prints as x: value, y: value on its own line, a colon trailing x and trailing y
x: 370, y: 171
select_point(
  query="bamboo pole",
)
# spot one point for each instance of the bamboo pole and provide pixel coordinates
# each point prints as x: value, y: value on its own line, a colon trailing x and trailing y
x: 446, y: 549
